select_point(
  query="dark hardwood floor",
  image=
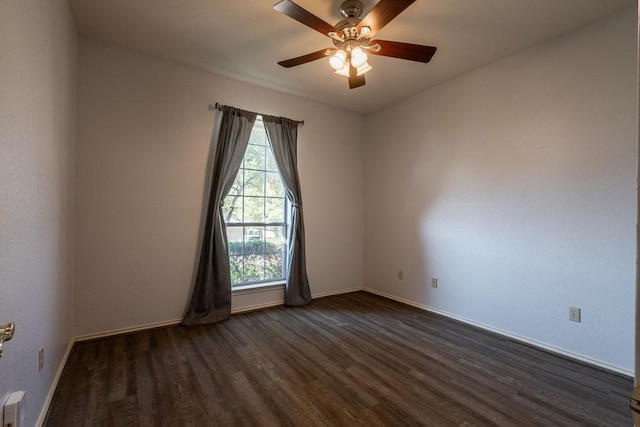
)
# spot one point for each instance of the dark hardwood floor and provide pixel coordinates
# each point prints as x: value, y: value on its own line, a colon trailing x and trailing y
x: 352, y: 359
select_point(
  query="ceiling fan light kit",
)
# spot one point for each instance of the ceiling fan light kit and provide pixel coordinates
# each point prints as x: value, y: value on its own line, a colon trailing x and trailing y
x: 352, y: 38
x: 363, y: 69
x: 358, y: 57
x: 338, y: 60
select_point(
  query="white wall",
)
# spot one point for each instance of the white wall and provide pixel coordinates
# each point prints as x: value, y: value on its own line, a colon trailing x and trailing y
x: 143, y: 139
x: 37, y: 162
x: 515, y: 186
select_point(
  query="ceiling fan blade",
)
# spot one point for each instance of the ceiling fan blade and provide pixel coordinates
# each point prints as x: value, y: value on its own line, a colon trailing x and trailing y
x: 412, y: 52
x: 354, y: 79
x: 382, y: 13
x: 303, y: 16
x: 305, y: 58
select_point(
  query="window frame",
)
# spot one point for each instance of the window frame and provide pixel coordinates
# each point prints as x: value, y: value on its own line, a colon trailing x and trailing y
x: 284, y: 224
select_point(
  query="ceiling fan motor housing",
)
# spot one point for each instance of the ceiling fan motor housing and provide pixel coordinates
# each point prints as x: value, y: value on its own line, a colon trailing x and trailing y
x: 351, y: 9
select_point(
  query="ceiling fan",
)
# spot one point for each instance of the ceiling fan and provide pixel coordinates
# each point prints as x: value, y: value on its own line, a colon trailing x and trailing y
x: 352, y: 38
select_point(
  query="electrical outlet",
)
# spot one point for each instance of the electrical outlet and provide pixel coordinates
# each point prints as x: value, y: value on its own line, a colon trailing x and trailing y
x: 400, y: 275
x: 574, y: 314
x: 40, y: 359
x: 434, y: 282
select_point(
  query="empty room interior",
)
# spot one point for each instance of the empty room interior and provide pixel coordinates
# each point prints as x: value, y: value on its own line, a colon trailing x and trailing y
x: 467, y: 253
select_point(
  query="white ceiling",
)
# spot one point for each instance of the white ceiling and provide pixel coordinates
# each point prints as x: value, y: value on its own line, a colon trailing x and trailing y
x: 245, y: 39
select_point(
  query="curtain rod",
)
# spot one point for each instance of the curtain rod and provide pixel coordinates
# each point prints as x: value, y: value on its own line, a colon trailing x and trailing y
x: 219, y: 106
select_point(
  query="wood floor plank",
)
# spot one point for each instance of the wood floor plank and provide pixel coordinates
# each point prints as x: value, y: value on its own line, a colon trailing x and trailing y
x: 352, y: 359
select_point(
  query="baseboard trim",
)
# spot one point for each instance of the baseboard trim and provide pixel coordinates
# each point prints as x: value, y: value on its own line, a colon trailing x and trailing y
x: 54, y: 385
x: 515, y: 337
x: 524, y: 340
x: 279, y: 303
x: 256, y: 307
x: 338, y: 292
x: 129, y: 330
x: 139, y: 328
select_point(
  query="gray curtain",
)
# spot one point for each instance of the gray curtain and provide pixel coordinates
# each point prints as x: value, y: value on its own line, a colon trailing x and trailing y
x: 211, y: 297
x: 283, y: 136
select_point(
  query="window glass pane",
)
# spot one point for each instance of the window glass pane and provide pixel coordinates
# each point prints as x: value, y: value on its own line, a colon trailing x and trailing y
x: 274, y: 186
x: 237, y: 265
x: 253, y: 209
x: 235, y: 240
x: 274, y: 210
x: 254, y: 240
x: 253, y: 183
x: 254, y: 157
x: 273, y: 268
x: 274, y: 239
x: 258, y: 134
x: 232, y: 209
x: 254, y: 267
x: 237, y: 184
x: 271, y: 161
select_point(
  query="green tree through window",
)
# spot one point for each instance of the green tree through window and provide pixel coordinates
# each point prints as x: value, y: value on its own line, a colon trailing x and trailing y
x: 254, y: 212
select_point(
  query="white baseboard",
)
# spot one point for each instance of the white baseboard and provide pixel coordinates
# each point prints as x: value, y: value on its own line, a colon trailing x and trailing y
x: 255, y: 307
x: 54, y: 385
x: 174, y: 322
x: 338, y: 292
x: 279, y: 303
x: 128, y: 330
x: 542, y: 346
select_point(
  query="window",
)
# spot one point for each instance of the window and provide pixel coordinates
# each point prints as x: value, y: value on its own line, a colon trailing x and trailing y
x: 254, y: 213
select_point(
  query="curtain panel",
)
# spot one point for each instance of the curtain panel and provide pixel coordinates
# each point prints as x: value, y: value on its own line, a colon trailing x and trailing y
x: 283, y: 137
x: 211, y: 297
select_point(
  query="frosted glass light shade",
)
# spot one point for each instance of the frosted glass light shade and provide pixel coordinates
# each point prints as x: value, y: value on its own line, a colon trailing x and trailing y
x: 358, y: 57
x: 344, y: 71
x: 338, y: 60
x: 363, y: 68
